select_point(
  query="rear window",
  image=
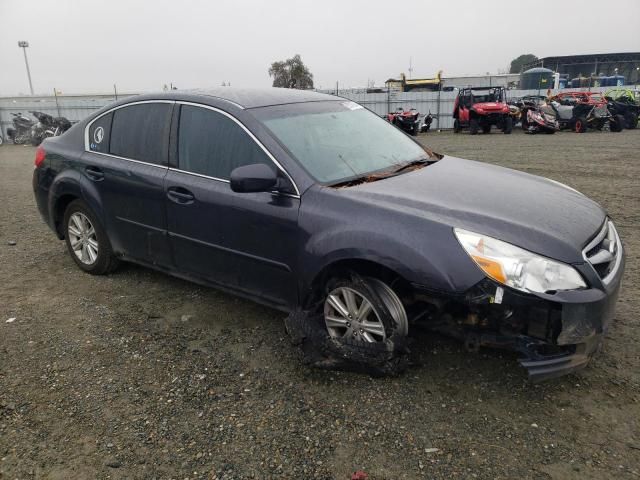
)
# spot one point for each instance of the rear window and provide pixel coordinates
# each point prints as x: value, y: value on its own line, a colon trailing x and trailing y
x: 141, y: 132
x: 99, y: 134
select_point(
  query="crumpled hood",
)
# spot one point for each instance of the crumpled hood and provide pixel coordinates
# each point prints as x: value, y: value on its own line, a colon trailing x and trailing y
x: 532, y: 212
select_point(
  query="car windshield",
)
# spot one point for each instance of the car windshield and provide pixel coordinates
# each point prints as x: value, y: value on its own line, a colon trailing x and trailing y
x: 338, y: 141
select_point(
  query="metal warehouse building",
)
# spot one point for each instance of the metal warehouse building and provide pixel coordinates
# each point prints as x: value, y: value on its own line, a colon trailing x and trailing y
x: 626, y: 64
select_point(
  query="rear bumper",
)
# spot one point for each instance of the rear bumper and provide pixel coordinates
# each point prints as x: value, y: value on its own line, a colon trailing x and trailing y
x: 41, y: 195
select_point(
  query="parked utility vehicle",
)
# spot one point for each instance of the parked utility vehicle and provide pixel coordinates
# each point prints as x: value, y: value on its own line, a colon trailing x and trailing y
x: 479, y: 108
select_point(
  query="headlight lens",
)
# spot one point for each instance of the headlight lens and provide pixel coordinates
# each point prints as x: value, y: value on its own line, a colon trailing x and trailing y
x: 518, y: 268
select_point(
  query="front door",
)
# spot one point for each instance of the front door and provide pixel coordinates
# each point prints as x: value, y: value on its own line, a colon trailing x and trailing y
x: 243, y: 241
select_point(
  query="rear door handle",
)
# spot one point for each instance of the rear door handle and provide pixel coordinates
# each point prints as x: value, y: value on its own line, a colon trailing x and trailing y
x: 180, y: 195
x: 94, y: 173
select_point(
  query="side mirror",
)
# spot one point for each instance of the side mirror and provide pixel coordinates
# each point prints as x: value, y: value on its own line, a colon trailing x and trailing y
x: 257, y: 177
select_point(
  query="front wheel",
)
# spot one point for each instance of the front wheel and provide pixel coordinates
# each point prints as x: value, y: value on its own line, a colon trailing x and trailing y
x: 86, y: 240
x: 360, y: 324
x: 456, y: 126
x: 508, y: 125
x: 473, y: 126
x: 365, y: 310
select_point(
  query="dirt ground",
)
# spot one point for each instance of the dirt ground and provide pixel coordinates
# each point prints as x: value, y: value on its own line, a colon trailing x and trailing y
x: 140, y: 375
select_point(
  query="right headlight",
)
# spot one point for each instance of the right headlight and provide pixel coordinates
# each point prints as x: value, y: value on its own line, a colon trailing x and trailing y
x: 516, y: 267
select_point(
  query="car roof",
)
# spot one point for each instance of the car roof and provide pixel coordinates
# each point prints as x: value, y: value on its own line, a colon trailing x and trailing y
x: 246, y: 97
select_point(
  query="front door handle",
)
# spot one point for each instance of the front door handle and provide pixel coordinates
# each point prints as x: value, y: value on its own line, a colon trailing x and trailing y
x: 94, y: 173
x: 180, y: 195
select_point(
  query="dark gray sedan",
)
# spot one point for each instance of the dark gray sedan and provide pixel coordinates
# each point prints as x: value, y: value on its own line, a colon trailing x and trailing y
x: 314, y: 205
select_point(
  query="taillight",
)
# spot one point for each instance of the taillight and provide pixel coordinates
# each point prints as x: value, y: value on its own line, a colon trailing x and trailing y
x: 40, y: 156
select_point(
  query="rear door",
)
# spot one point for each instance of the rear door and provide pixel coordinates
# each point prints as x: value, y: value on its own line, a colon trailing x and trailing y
x: 245, y: 241
x: 127, y: 161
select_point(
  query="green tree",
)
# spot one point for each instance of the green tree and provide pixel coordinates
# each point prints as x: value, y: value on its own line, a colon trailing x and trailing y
x: 517, y: 63
x: 291, y: 73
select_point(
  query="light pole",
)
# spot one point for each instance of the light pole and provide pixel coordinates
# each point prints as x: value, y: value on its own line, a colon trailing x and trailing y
x: 23, y: 45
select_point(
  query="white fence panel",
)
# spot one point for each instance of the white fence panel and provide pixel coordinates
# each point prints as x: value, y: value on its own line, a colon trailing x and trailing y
x: 77, y: 107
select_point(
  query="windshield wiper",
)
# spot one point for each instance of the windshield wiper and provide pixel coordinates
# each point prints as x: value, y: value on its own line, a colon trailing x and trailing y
x: 413, y: 163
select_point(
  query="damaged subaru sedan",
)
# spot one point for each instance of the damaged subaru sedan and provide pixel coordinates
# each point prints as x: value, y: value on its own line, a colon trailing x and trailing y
x: 314, y: 205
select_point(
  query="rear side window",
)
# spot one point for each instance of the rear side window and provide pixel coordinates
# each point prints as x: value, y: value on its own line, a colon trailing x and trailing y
x: 99, y: 134
x: 141, y: 132
x: 212, y: 144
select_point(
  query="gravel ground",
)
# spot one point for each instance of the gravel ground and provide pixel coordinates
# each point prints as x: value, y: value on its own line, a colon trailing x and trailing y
x: 140, y: 375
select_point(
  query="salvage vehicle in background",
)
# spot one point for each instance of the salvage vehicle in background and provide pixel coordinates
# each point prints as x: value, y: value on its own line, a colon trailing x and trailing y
x: 27, y: 131
x: 20, y: 131
x: 425, y: 126
x: 47, y: 126
x: 581, y: 110
x: 407, y: 120
x: 479, y: 108
x: 537, y: 116
x: 316, y: 206
x: 623, y: 101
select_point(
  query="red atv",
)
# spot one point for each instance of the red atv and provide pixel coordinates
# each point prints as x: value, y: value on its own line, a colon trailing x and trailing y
x: 407, y: 120
x: 480, y: 108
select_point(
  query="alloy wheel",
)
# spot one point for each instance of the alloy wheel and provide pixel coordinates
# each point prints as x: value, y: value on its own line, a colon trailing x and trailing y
x: 349, y: 314
x: 82, y: 238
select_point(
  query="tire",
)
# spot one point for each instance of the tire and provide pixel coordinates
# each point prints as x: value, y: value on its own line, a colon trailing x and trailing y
x: 508, y: 125
x: 416, y: 129
x: 616, y: 123
x: 375, y: 343
x: 549, y: 131
x: 456, y: 126
x: 486, y: 128
x: 580, y: 125
x: 92, y: 253
x: 523, y: 121
x: 631, y: 120
x: 473, y: 126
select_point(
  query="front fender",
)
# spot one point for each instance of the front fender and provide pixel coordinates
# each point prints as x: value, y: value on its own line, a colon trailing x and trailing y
x: 392, y: 251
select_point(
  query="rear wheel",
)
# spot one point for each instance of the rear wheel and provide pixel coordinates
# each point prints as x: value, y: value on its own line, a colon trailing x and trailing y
x: 508, y: 125
x: 87, y: 241
x: 616, y: 123
x: 456, y: 126
x: 473, y: 126
x: 486, y: 128
x: 580, y: 125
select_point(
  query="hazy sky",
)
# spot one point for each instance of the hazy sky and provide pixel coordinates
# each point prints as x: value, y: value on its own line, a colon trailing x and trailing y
x: 85, y: 46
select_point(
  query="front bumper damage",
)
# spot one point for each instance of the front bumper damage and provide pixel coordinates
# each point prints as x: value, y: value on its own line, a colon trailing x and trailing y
x: 555, y: 333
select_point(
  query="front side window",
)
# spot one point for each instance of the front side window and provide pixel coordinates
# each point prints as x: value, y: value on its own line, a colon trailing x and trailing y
x: 337, y: 141
x: 209, y: 143
x: 141, y: 132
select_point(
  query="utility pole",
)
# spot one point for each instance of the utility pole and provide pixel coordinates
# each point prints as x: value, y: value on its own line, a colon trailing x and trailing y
x: 23, y: 45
